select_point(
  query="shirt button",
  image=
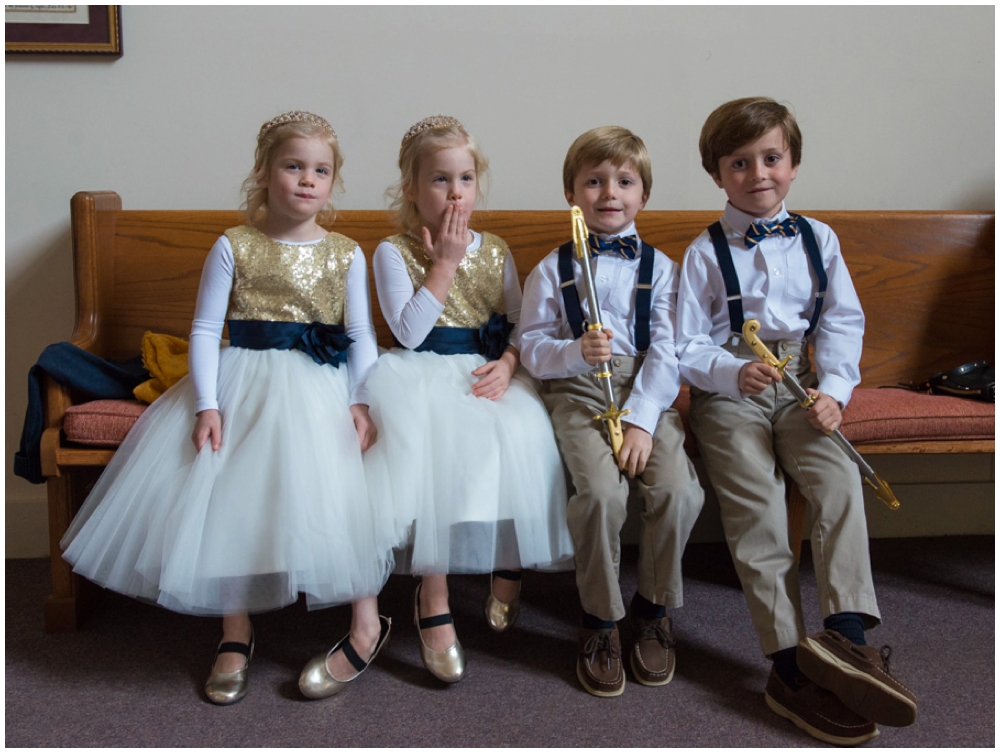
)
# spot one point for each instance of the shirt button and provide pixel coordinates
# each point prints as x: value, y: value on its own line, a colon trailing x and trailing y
x: 776, y: 271
x: 604, y: 278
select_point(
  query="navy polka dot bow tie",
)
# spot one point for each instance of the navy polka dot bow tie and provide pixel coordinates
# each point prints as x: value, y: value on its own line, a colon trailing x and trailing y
x: 760, y: 230
x: 624, y: 246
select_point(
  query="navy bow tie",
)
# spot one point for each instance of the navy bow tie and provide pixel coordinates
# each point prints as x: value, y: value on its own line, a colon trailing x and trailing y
x: 760, y: 230
x: 624, y: 246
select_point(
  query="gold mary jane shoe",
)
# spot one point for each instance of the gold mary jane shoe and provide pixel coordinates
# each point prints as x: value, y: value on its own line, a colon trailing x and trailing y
x: 227, y: 688
x: 501, y: 616
x: 447, y: 665
x: 316, y: 680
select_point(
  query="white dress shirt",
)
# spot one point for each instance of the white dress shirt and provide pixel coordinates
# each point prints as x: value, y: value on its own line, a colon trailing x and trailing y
x: 411, y: 314
x: 549, y: 350
x: 213, y: 304
x: 779, y: 290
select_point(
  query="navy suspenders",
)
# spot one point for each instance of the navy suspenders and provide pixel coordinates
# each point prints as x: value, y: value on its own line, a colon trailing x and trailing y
x: 734, y: 296
x: 643, y: 294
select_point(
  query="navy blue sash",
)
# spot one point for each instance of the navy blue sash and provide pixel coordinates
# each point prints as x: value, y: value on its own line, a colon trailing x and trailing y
x: 643, y: 294
x: 489, y: 341
x: 734, y: 295
x: 324, y: 343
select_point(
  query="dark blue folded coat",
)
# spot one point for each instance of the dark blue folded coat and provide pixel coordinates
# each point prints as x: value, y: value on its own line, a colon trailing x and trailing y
x: 92, y: 377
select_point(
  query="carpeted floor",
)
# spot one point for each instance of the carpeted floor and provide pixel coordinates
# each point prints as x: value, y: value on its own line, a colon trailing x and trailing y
x: 133, y: 675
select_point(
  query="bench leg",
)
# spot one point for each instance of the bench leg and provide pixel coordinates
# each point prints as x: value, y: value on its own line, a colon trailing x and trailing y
x: 796, y: 502
x: 71, y: 595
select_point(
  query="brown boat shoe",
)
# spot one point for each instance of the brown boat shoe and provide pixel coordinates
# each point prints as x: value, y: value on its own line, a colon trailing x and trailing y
x: 652, y: 657
x: 858, y: 676
x: 599, y: 662
x: 817, y: 712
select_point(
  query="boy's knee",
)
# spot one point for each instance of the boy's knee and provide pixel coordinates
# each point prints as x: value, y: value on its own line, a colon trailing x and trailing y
x: 605, y: 506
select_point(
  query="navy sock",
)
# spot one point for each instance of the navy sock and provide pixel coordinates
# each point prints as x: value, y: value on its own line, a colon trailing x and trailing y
x: 848, y: 624
x: 591, y: 622
x: 644, y: 608
x: 787, y: 668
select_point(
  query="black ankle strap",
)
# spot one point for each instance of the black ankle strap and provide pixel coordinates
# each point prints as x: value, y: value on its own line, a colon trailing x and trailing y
x: 435, y: 621
x: 507, y: 574
x: 232, y: 647
x: 352, y: 656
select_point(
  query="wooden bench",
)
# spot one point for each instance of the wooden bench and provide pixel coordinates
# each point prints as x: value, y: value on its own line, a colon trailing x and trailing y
x: 926, y: 281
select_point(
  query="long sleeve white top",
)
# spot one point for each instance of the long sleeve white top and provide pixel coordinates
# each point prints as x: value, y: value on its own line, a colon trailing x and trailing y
x: 778, y: 289
x: 213, y: 304
x: 549, y: 350
x: 412, y: 314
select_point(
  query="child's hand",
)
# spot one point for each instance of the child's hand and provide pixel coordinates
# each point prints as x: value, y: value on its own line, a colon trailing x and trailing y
x: 596, y: 346
x: 363, y: 424
x: 636, y: 447
x: 495, y: 376
x: 452, y: 240
x: 757, y: 376
x: 207, y: 427
x: 825, y: 413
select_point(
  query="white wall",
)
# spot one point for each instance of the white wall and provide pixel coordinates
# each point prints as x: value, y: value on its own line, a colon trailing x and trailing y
x: 896, y: 105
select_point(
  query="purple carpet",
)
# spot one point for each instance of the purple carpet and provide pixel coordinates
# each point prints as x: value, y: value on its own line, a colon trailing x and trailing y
x: 133, y: 674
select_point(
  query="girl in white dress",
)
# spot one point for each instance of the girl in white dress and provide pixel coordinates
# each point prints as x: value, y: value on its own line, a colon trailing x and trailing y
x: 243, y: 485
x: 468, y: 456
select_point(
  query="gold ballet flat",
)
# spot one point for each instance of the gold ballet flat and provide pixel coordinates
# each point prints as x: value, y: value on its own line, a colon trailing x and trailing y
x: 500, y: 616
x: 227, y: 688
x: 316, y: 680
x: 447, y: 665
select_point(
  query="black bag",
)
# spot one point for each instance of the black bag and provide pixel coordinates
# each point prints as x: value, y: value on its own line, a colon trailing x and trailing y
x: 973, y: 380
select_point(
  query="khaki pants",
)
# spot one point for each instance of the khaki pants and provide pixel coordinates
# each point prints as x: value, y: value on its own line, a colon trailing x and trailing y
x: 746, y: 447
x: 672, y: 496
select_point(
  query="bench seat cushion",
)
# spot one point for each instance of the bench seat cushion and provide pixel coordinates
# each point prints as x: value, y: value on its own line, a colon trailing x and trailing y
x: 101, y: 423
x: 898, y: 415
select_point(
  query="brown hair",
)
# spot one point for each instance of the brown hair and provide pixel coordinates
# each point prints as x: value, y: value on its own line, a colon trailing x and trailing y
x: 741, y: 121
x: 613, y: 143
x: 422, y: 140
x: 255, y: 202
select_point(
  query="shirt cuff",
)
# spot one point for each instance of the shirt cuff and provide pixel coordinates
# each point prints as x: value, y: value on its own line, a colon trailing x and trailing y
x: 644, y: 413
x: 726, y: 377
x: 359, y: 395
x: 838, y: 388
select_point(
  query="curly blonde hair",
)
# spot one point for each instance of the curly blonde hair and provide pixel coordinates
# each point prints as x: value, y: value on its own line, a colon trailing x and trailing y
x: 270, y: 138
x: 425, y: 138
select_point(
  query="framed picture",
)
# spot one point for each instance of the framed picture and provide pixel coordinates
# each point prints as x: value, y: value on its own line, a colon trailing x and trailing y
x: 91, y: 29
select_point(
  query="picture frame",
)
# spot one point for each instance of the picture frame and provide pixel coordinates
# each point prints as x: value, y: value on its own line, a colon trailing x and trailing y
x: 73, y: 29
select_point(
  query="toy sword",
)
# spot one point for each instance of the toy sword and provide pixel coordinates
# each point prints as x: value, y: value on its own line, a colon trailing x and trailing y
x: 612, y: 416
x: 882, y: 490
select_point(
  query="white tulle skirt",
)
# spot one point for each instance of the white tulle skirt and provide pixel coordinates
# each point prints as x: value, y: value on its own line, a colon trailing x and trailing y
x: 280, y: 509
x: 475, y: 485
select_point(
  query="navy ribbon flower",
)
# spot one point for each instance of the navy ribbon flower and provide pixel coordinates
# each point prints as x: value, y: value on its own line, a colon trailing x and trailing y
x: 494, y: 337
x: 324, y: 343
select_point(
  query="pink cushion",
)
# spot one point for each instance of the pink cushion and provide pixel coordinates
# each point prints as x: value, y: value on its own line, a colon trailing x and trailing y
x: 101, y: 422
x: 896, y: 415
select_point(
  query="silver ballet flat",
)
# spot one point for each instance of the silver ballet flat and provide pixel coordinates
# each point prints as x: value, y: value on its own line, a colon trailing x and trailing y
x: 227, y: 688
x: 447, y: 665
x: 316, y: 680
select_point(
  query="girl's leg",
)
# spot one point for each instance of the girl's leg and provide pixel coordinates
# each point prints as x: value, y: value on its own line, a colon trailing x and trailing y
x: 364, y: 635
x: 236, y: 628
x: 434, y: 601
x: 506, y: 585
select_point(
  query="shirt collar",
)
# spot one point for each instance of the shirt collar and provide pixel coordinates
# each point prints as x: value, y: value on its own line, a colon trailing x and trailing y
x: 630, y: 230
x: 741, y: 221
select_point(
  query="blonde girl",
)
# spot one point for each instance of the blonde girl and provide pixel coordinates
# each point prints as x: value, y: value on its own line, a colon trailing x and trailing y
x: 243, y: 486
x: 468, y: 458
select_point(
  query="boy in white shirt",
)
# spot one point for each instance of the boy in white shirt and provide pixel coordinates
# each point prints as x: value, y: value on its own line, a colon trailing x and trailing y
x: 607, y: 174
x: 786, y: 271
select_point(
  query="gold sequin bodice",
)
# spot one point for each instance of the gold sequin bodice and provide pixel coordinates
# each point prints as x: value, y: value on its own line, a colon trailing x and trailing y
x: 288, y: 282
x: 477, y: 290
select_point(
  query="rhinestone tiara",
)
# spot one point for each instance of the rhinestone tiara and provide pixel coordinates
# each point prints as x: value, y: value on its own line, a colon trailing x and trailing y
x: 434, y: 121
x: 296, y: 116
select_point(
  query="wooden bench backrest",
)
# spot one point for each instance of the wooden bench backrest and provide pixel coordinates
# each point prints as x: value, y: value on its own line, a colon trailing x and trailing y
x: 926, y: 279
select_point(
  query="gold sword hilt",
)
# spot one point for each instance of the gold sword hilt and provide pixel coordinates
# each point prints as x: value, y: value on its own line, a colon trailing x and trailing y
x: 750, y: 329
x: 612, y: 419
